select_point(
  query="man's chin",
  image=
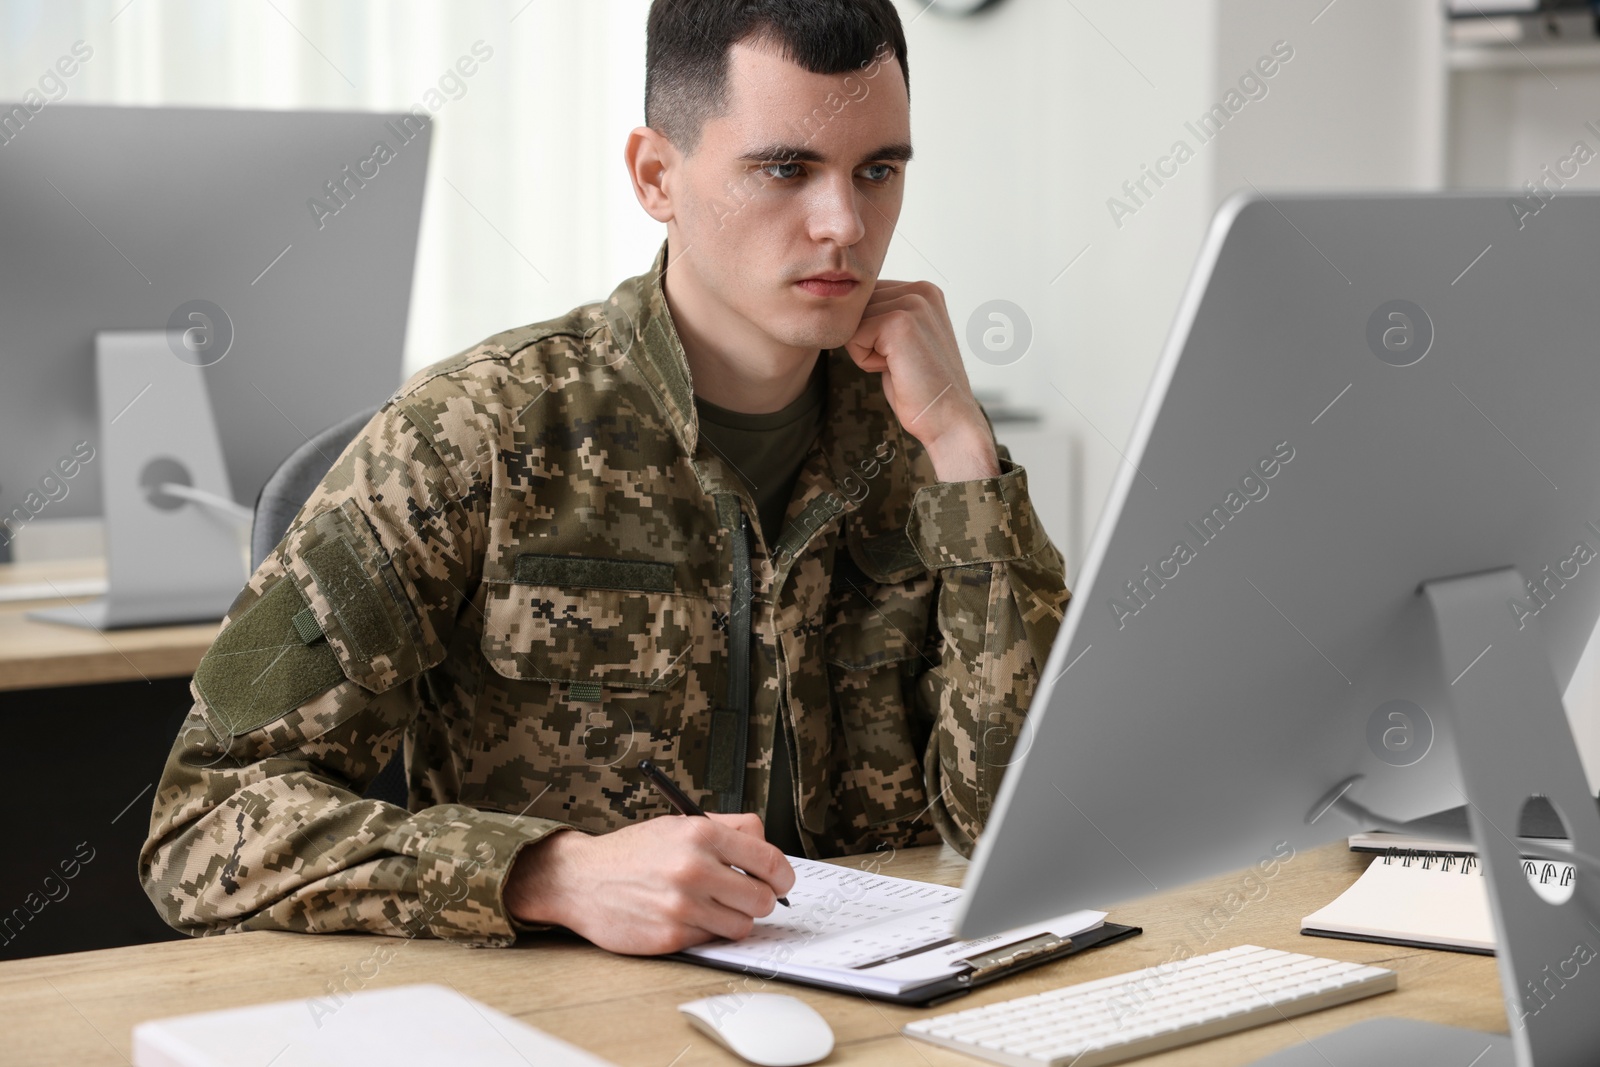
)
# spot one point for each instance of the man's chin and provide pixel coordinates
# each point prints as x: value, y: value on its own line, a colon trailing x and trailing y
x: 815, y: 331
x: 823, y: 341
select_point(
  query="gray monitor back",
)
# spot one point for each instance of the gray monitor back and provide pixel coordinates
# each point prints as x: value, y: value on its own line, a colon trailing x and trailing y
x: 1317, y: 459
x: 115, y: 218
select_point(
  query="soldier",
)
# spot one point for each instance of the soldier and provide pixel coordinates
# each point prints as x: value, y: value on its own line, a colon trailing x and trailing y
x: 744, y: 518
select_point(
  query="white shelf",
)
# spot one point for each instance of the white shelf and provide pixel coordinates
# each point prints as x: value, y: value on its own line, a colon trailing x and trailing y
x: 1531, y: 57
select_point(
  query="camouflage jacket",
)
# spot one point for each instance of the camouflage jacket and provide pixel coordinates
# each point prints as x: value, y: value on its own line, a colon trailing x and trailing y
x: 529, y: 571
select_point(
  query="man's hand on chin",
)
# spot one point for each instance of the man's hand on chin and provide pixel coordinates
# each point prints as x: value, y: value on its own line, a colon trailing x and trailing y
x: 905, y: 334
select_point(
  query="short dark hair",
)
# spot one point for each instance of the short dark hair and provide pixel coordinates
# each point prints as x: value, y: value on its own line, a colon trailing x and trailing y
x: 686, y: 51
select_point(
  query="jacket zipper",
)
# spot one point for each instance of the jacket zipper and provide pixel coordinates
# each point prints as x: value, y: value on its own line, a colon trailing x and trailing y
x: 738, y: 695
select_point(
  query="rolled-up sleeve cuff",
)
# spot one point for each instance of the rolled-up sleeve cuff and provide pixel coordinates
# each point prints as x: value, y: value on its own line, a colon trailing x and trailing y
x: 985, y: 520
x: 461, y: 875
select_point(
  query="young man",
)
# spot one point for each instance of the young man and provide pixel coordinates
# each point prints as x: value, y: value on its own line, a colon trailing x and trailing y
x: 744, y: 518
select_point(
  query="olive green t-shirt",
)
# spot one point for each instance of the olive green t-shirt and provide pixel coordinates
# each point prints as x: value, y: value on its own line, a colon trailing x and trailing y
x: 768, y: 451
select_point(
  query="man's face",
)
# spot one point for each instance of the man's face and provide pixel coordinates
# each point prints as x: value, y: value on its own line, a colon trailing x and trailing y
x: 785, y: 208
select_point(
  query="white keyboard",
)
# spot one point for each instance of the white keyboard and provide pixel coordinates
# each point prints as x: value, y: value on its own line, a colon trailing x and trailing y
x: 1162, y: 1007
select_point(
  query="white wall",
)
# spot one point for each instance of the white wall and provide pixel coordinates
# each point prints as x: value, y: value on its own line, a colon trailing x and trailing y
x: 1025, y: 120
x: 1510, y: 122
x: 1360, y: 106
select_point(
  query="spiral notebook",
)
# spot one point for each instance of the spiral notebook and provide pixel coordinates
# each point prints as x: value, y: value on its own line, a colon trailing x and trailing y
x: 1428, y: 900
x: 890, y: 938
x: 1447, y: 831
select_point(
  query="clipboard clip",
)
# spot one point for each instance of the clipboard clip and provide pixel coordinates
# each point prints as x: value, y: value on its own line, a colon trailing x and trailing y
x: 1005, y: 957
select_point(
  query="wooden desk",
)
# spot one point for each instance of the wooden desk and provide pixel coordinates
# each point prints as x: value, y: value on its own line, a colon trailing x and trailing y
x: 80, y: 1009
x: 35, y: 655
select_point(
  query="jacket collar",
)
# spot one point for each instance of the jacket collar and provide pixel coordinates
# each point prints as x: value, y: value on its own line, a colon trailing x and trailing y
x: 859, y: 428
x: 642, y: 327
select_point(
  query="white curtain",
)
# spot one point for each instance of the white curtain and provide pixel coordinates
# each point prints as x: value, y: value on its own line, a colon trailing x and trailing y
x: 528, y: 211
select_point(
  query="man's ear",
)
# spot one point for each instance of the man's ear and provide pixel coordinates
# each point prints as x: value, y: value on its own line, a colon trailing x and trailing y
x: 652, y: 159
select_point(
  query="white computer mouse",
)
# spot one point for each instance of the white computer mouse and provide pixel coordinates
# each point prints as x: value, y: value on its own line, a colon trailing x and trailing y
x: 770, y: 1029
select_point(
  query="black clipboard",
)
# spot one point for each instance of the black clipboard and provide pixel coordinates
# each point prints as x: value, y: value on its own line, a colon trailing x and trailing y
x: 991, y: 965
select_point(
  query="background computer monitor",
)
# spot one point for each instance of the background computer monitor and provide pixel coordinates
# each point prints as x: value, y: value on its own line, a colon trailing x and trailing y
x: 1360, y: 394
x: 292, y: 233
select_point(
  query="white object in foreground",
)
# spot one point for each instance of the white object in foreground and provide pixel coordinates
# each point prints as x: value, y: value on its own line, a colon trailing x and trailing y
x: 769, y: 1029
x: 399, y: 1027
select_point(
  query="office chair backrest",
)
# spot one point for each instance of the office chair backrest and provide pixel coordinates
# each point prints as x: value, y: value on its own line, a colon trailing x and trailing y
x: 291, y: 484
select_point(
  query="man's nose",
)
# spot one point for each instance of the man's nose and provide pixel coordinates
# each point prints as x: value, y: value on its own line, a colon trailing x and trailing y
x: 835, y: 212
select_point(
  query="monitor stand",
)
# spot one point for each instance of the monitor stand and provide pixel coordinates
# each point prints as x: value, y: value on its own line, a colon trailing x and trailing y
x: 173, y: 548
x: 1513, y: 741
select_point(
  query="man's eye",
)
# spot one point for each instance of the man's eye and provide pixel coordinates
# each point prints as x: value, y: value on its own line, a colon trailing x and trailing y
x: 781, y: 171
x: 878, y: 172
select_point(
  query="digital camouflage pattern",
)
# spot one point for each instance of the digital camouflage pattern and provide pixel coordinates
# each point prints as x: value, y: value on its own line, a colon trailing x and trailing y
x: 521, y: 571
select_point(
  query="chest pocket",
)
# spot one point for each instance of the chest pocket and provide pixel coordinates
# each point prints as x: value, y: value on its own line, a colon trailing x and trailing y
x: 590, y: 624
x: 589, y: 666
x: 876, y: 615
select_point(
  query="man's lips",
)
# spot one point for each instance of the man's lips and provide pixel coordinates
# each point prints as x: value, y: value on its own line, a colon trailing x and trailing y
x: 831, y: 283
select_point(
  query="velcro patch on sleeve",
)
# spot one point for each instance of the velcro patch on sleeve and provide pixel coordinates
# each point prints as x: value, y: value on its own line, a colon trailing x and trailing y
x: 260, y: 667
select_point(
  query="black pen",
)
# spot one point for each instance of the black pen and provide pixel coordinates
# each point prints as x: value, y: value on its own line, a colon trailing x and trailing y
x: 680, y: 800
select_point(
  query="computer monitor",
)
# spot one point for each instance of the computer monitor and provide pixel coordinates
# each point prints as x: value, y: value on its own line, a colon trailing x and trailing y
x: 296, y: 224
x: 277, y: 246
x: 1349, y: 567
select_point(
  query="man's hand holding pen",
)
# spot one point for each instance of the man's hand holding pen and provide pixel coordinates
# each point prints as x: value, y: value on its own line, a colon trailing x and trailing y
x: 679, y: 799
x: 655, y: 887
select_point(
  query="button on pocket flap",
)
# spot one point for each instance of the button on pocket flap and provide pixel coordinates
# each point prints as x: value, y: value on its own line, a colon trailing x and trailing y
x: 357, y: 597
x: 593, y: 636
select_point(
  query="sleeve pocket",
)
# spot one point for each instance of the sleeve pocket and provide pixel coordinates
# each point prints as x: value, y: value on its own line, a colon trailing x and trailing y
x: 360, y: 600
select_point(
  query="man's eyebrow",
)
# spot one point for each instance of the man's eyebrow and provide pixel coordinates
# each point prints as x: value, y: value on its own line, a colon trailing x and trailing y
x: 782, y: 153
x: 898, y: 151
